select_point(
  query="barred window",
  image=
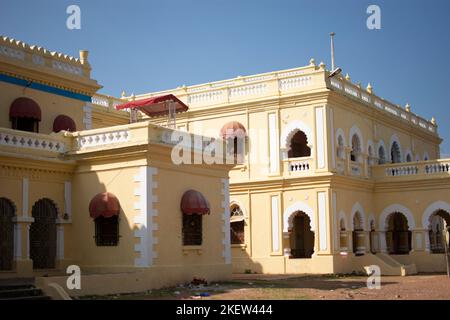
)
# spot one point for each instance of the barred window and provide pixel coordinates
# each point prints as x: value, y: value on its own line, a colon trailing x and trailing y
x: 192, y: 229
x: 107, y: 231
x: 237, y: 225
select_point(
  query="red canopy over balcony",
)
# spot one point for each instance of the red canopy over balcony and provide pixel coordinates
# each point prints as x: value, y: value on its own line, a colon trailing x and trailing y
x: 155, y: 106
x: 104, y: 205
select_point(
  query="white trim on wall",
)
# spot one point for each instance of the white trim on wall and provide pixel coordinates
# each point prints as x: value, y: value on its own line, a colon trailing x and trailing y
x: 275, y: 214
x: 320, y: 137
x: 333, y: 146
x: 25, y: 197
x: 144, y: 218
x: 322, y: 210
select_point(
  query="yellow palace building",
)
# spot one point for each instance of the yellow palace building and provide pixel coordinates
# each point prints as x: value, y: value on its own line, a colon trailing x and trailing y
x: 330, y: 178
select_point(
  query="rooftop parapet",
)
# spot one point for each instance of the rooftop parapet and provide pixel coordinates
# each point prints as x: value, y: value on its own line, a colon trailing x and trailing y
x: 17, y: 55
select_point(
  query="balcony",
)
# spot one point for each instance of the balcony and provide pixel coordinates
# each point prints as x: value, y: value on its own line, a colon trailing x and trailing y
x: 299, y: 166
x: 417, y: 170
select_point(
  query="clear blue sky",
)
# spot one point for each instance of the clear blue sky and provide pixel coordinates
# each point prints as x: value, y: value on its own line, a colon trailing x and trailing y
x: 141, y: 46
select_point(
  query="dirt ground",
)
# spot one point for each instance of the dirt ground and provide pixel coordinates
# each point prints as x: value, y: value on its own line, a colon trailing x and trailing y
x: 284, y: 287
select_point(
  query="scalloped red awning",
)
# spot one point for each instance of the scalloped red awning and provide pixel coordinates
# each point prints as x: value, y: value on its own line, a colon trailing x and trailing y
x: 63, y: 122
x: 25, y: 108
x: 104, y: 205
x: 233, y: 129
x: 155, y: 106
x: 193, y: 202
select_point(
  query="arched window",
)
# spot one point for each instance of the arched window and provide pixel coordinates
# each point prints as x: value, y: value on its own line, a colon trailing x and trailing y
x: 398, y: 236
x: 356, y: 148
x: 234, y: 134
x: 395, y: 153
x: 104, y: 208
x: 63, y: 122
x: 340, y: 150
x: 43, y: 234
x: 193, y: 206
x: 358, y: 235
x: 301, y: 236
x: 408, y: 158
x: 299, y: 146
x: 25, y: 115
x: 237, y: 224
x: 437, y: 231
x: 370, y: 156
x: 381, y: 155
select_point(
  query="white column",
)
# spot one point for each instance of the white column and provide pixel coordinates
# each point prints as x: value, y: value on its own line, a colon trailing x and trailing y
x: 25, y: 197
x: 320, y: 138
x: 323, y: 232
x: 382, y: 238
x: 275, y: 224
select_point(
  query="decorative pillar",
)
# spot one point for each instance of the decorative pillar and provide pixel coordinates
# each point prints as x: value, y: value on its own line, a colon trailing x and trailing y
x: 22, y: 262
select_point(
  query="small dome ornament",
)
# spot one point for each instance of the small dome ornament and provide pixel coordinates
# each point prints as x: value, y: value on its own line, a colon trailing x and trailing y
x: 312, y: 62
x: 433, y: 120
x: 408, y: 108
x: 322, y: 65
x: 369, y: 88
x: 123, y: 94
x: 347, y: 77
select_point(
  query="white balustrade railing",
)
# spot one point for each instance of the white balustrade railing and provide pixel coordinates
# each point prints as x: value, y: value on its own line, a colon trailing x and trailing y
x: 440, y: 167
x: 355, y: 169
x: 101, y: 139
x: 402, y: 171
x: 356, y: 92
x: 21, y: 139
x: 299, y: 164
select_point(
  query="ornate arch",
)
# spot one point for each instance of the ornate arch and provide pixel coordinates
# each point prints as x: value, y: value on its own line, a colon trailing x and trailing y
x: 289, y: 214
x: 371, y: 144
x: 355, y: 130
x: 340, y: 133
x: 290, y: 129
x: 396, y: 208
x: 394, y: 138
x: 344, y: 218
x: 357, y: 207
x: 408, y: 153
x: 239, y: 204
x: 431, y: 209
x: 426, y: 156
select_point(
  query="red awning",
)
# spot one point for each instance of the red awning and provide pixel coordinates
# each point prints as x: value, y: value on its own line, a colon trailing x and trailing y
x: 104, y: 205
x: 155, y: 106
x: 25, y: 108
x: 63, y: 122
x: 193, y: 202
x: 233, y: 129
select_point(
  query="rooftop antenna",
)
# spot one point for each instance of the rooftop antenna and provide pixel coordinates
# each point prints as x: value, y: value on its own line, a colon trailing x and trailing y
x: 334, y: 71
